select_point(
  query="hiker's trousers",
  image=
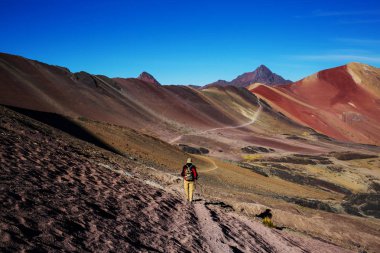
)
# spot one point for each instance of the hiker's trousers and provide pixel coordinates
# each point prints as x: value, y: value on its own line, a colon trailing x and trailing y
x: 189, y: 189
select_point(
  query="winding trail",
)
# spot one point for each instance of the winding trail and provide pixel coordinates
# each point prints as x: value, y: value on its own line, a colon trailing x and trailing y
x: 214, y: 166
x: 253, y: 120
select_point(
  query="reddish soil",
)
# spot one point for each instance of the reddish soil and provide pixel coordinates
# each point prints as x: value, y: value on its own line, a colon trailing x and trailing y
x: 298, y: 111
x: 331, y: 103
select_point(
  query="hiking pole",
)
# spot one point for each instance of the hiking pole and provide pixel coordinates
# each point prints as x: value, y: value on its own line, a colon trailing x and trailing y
x: 200, y: 192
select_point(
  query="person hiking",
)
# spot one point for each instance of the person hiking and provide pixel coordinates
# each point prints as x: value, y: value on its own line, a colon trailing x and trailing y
x: 189, y: 174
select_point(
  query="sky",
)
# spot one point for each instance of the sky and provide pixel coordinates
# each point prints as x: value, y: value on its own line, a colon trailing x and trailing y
x: 191, y: 41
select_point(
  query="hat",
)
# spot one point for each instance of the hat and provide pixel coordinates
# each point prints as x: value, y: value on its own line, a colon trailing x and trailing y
x: 189, y: 160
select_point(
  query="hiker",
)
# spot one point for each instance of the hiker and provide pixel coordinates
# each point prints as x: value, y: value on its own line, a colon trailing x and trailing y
x: 189, y: 174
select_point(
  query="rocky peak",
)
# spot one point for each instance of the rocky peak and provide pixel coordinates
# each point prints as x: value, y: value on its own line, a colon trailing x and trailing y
x: 263, y: 69
x: 145, y: 76
x: 262, y: 74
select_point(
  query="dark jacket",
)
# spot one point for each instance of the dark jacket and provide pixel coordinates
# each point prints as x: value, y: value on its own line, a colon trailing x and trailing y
x: 193, y: 170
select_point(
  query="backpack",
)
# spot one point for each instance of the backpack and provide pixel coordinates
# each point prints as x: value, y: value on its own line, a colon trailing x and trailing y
x: 188, y: 173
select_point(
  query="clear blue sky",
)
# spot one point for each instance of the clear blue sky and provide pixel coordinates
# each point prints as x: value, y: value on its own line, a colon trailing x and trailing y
x: 191, y: 41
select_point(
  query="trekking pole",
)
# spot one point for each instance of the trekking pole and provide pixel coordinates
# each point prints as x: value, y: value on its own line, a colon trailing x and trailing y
x: 200, y: 192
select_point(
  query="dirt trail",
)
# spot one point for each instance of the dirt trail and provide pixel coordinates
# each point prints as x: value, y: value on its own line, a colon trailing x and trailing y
x: 214, y: 234
x: 213, y: 165
x: 253, y: 120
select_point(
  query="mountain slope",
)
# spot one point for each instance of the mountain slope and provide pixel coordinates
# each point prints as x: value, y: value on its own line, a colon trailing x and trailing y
x: 38, y: 86
x: 260, y: 75
x: 162, y: 111
x: 342, y: 102
x: 88, y: 199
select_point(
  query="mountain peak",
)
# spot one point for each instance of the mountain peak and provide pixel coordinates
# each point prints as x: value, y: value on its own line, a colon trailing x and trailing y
x: 145, y: 76
x: 263, y: 68
x: 261, y: 74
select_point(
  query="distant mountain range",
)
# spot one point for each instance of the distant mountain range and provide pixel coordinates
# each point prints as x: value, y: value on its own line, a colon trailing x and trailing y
x: 260, y: 75
x: 140, y: 103
x: 342, y: 102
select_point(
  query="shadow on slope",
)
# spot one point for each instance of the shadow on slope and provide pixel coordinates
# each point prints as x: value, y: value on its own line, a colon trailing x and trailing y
x: 66, y: 125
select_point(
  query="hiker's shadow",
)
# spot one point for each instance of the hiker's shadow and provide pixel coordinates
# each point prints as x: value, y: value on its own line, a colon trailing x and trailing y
x: 266, y: 214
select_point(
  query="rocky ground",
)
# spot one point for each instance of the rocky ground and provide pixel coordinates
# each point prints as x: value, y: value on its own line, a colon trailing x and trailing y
x: 59, y: 193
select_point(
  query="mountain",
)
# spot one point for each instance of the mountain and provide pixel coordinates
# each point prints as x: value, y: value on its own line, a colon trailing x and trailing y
x: 112, y: 148
x: 260, y: 75
x: 342, y: 102
x: 163, y: 111
x: 221, y: 83
x: 145, y: 76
